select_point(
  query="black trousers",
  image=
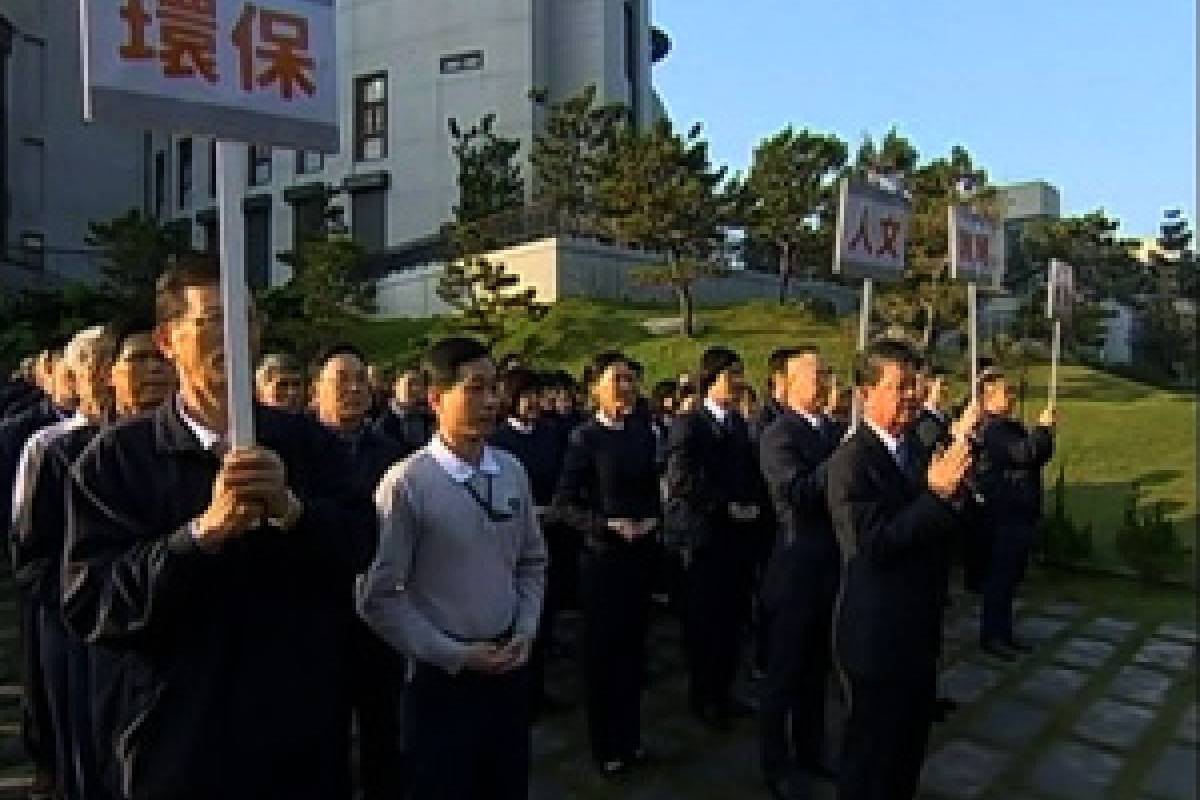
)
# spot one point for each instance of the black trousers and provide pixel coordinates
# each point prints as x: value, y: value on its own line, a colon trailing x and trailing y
x: 716, y: 609
x: 799, y: 592
x: 615, y: 594
x: 53, y: 645
x: 1010, y: 546
x: 37, y: 728
x: 886, y: 736
x: 468, y: 734
x: 376, y: 685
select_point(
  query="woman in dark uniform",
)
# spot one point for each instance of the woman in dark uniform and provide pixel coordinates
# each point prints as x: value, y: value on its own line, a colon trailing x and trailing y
x: 537, y: 443
x: 609, y: 492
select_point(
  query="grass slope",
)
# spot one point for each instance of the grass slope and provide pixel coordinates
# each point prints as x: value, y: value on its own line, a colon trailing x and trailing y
x: 1114, y: 431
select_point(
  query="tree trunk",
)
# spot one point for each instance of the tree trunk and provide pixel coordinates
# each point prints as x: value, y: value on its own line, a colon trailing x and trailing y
x: 785, y: 270
x: 685, y: 311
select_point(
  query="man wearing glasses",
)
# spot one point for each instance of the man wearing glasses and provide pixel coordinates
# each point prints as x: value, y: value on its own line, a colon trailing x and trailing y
x: 457, y: 586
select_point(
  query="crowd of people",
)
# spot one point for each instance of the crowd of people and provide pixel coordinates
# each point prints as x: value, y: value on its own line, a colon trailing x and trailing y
x: 363, y: 603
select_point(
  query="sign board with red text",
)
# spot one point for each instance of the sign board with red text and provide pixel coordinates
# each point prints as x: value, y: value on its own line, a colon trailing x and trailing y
x: 872, y: 226
x: 261, y: 71
x: 974, y: 246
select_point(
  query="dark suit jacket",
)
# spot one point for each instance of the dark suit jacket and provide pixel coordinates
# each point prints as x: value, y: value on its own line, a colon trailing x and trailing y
x: 233, y: 675
x: 412, y: 429
x: 794, y: 455
x: 14, y: 432
x: 893, y: 533
x: 709, y: 466
x: 1010, y: 472
x: 929, y: 431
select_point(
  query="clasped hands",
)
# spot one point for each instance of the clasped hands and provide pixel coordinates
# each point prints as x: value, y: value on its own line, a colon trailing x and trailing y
x: 250, y: 486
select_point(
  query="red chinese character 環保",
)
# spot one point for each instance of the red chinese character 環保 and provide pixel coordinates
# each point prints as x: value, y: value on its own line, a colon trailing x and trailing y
x: 891, y: 232
x: 861, y: 235
x: 284, y: 39
x: 137, y: 22
x: 188, y: 31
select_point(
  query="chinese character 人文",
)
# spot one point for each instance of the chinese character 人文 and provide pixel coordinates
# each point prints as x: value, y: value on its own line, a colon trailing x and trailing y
x: 283, y: 50
x: 861, y: 235
x: 891, y: 233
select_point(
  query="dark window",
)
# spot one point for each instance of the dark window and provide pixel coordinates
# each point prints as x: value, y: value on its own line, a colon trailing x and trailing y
x: 633, y: 62
x: 160, y: 183
x: 258, y: 247
x: 309, y: 162
x: 462, y: 62
x: 212, y: 168
x: 308, y: 221
x: 370, y: 117
x: 368, y: 219
x: 260, y: 164
x: 183, y: 168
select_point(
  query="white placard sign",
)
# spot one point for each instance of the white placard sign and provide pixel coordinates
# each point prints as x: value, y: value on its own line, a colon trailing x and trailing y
x: 974, y: 246
x: 872, y: 226
x: 262, y: 72
x: 1060, y: 289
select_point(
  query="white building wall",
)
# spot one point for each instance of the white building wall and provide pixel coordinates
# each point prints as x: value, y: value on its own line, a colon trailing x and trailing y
x: 62, y: 173
x: 560, y: 45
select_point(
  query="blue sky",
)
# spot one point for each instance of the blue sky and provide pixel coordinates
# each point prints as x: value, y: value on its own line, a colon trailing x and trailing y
x: 1096, y: 96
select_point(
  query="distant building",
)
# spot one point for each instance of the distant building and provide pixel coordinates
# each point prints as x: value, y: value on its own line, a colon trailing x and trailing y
x: 57, y: 173
x: 1022, y: 203
x: 407, y: 66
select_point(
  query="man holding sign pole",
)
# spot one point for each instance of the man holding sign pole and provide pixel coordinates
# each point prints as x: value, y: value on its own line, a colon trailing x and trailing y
x: 223, y: 576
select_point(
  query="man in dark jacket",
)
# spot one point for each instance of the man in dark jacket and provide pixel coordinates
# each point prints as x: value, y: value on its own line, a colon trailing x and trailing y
x: 801, y: 580
x: 1011, y: 480
x: 222, y: 577
x: 715, y: 498
x: 892, y: 525
x: 56, y: 403
x: 342, y: 402
x: 406, y: 418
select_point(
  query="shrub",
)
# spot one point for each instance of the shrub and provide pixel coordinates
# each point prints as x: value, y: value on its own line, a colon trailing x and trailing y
x: 1061, y: 539
x: 1147, y: 541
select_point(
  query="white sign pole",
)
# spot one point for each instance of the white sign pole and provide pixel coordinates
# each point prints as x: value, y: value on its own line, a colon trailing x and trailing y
x: 235, y: 298
x: 864, y: 331
x: 973, y: 338
x: 1055, y: 348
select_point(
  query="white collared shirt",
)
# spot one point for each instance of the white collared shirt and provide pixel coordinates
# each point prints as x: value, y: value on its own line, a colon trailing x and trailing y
x: 718, y: 413
x: 458, y: 470
x: 609, y: 422
x: 890, y: 442
x: 519, y: 426
x: 816, y: 420
x: 207, y: 437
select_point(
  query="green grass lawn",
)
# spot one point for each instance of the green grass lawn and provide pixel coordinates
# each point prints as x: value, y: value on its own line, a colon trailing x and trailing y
x: 1114, y: 431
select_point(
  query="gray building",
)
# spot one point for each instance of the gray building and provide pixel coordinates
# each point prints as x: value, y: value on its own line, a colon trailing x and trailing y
x: 407, y: 66
x: 57, y: 173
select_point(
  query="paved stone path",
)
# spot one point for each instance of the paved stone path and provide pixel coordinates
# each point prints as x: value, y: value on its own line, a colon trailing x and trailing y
x: 1104, y: 708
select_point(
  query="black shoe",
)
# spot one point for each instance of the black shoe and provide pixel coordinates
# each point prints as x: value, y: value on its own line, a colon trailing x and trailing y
x: 943, y: 707
x: 788, y: 787
x: 996, y: 650
x: 1017, y: 646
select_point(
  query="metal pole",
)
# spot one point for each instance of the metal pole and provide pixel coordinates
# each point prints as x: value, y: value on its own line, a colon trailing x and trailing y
x: 973, y: 338
x: 231, y: 175
x: 864, y: 325
x: 1055, y: 352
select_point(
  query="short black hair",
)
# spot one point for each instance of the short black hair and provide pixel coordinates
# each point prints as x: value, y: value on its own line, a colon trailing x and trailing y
x: 988, y: 376
x: 125, y: 328
x: 602, y: 361
x: 191, y: 270
x: 662, y: 390
x: 715, y: 361
x: 333, y: 351
x: 515, y: 382
x: 881, y: 353
x: 447, y: 357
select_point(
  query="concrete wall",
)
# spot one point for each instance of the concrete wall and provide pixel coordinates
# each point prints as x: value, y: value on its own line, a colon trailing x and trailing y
x: 559, y: 268
x: 62, y: 172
